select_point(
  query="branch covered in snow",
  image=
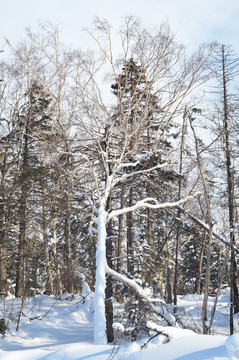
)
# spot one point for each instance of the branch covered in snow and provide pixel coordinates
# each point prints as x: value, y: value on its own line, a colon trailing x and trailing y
x: 160, y: 309
x: 139, y: 172
x: 150, y: 203
x: 158, y: 330
x: 206, y: 227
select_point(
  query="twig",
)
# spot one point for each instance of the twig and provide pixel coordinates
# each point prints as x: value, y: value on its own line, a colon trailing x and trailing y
x: 154, y: 336
x: 43, y: 315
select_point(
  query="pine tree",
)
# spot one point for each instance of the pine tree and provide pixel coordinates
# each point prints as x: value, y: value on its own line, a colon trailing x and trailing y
x: 33, y: 124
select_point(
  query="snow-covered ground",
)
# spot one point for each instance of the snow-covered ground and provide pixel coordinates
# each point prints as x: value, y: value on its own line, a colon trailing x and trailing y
x: 62, y: 329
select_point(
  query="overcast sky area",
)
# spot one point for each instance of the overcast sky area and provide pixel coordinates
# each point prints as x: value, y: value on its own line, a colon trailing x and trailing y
x: 193, y: 21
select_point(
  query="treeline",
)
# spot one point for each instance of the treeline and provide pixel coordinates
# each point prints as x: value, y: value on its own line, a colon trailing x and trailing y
x: 125, y: 147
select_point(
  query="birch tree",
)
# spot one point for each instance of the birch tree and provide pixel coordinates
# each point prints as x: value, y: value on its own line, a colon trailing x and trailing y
x: 171, y: 77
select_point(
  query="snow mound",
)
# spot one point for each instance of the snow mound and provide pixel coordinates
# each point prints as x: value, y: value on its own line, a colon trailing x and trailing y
x: 173, y: 333
x: 232, y: 345
x: 191, y: 297
x: 118, y: 327
x: 225, y: 292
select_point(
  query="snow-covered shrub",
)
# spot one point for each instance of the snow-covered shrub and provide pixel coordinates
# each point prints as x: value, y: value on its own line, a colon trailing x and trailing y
x: 3, y: 327
x: 118, y: 332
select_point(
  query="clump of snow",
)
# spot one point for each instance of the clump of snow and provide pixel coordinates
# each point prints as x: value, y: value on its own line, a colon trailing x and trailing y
x: 232, y: 345
x: 118, y: 327
x: 133, y: 348
x: 172, y: 332
x: 118, y: 332
x: 85, y: 291
x: 66, y: 296
x: 142, y: 157
x: 225, y: 292
x: 192, y: 297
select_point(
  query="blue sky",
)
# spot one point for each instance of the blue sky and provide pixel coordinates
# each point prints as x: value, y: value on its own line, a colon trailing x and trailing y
x: 193, y: 21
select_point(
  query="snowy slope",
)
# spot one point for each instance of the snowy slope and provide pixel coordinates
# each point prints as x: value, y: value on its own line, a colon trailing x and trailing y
x: 62, y: 329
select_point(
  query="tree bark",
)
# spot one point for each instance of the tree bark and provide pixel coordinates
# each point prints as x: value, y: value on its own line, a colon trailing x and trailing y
x: 121, y: 234
x: 58, y: 287
x: 109, y: 286
x: 199, y: 281
x: 3, y: 225
x: 67, y: 235
x: 49, y: 285
x: 20, y: 278
x: 205, y: 323
x: 169, y: 287
x: 234, y: 296
x: 130, y: 235
x: 109, y: 280
x: 179, y: 212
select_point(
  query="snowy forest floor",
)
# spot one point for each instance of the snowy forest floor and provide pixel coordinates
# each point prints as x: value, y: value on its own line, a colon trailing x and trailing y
x: 62, y: 329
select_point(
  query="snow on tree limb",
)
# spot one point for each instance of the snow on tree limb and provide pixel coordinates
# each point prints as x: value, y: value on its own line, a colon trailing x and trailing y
x: 150, y: 203
x: 160, y: 309
x: 205, y: 227
x: 125, y: 176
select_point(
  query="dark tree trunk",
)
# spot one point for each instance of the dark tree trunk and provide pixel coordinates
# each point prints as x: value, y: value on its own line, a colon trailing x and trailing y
x: 109, y: 287
x: 210, y: 227
x: 130, y: 235
x: 109, y: 280
x: 109, y: 311
x: 67, y: 232
x: 199, y: 281
x: 169, y: 287
x: 20, y: 278
x: 175, y: 284
x: 121, y: 234
x: 234, y: 300
x: 3, y: 251
x: 58, y: 280
x: 49, y: 285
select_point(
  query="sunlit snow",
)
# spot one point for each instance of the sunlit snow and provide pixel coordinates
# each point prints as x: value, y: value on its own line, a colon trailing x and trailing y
x: 62, y: 329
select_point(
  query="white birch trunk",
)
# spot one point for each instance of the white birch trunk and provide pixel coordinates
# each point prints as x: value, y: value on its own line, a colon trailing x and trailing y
x: 99, y: 300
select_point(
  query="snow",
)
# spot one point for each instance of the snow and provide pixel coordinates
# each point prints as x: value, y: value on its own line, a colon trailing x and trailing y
x: 99, y: 302
x: 232, y: 345
x: 118, y: 327
x: 63, y: 329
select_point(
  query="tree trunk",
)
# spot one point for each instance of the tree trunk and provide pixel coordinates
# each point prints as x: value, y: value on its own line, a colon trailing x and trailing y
x: 121, y: 234
x: 49, y: 285
x: 149, y: 275
x: 130, y: 236
x: 3, y: 271
x: 100, y: 281
x: 58, y: 287
x: 210, y: 226
x: 179, y: 212
x: 20, y: 278
x: 67, y: 233
x: 199, y: 282
x: 3, y: 251
x: 234, y: 298
x: 109, y: 281
x: 169, y: 287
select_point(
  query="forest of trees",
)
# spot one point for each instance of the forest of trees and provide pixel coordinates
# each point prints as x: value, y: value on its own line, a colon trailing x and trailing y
x: 119, y: 168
